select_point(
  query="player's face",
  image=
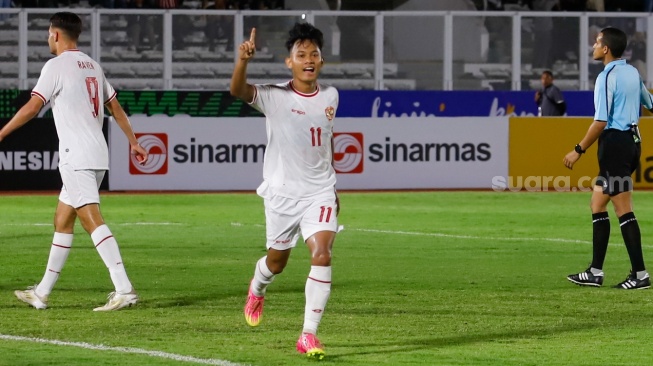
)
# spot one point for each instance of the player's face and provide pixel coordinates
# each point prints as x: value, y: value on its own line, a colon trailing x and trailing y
x: 599, y: 50
x: 53, y: 36
x: 305, y: 61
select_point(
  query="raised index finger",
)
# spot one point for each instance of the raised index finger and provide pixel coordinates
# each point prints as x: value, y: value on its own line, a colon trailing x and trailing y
x: 252, y: 35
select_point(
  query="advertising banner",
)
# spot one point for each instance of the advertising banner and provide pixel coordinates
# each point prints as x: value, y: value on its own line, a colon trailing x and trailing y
x: 29, y: 157
x: 392, y: 104
x: 420, y: 153
x: 353, y: 103
x: 372, y: 153
x: 538, y: 146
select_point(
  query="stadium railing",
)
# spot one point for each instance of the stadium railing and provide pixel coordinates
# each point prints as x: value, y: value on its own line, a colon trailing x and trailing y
x: 366, y: 50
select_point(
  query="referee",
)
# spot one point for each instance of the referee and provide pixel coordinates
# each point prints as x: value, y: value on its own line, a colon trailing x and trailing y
x: 618, y: 92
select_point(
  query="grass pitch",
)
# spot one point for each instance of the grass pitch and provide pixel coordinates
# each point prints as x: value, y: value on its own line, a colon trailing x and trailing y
x: 437, y: 278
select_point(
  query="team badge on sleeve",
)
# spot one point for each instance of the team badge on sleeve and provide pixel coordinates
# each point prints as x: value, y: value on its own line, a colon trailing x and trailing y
x: 330, y: 112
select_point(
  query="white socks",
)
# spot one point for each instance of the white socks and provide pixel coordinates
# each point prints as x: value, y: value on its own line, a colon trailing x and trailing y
x: 318, y: 288
x: 59, y: 251
x: 262, y: 277
x: 107, y: 247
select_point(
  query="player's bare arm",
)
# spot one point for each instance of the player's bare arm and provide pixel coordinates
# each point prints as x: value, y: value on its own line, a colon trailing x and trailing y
x: 24, y: 115
x: 239, y: 87
x: 334, y: 167
x: 122, y: 120
x: 591, y: 136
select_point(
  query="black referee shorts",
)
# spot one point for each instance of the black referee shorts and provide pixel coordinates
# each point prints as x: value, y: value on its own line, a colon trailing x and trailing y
x: 618, y: 159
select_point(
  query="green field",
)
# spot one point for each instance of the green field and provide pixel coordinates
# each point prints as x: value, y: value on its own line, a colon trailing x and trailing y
x: 420, y: 278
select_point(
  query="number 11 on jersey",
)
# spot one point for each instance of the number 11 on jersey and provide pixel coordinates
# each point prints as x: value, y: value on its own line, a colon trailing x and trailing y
x: 316, y: 136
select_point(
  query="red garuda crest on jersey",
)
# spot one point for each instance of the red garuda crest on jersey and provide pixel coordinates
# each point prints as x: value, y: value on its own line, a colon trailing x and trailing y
x: 330, y: 113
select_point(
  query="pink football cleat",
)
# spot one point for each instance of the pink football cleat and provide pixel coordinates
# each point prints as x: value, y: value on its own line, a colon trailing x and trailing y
x: 311, y: 346
x: 253, y: 308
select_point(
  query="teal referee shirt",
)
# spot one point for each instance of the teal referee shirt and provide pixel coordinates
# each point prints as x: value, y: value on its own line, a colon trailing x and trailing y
x: 618, y: 93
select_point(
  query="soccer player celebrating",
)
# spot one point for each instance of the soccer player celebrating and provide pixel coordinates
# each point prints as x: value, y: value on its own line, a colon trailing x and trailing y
x: 618, y: 93
x: 298, y: 176
x: 75, y: 86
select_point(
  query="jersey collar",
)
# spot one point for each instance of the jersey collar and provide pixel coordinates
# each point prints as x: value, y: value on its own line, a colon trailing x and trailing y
x: 317, y: 90
x: 620, y: 61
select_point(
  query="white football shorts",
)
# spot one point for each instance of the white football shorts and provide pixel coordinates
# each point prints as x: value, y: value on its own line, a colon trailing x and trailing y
x: 80, y: 187
x: 286, y: 217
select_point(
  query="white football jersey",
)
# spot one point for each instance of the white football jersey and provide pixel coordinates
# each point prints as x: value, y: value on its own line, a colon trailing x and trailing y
x: 75, y: 86
x: 298, y: 156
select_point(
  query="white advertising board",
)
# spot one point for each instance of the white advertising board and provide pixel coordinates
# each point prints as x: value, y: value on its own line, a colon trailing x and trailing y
x: 370, y: 153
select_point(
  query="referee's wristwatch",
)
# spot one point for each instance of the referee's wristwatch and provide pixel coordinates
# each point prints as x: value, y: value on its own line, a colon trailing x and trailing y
x: 579, y: 149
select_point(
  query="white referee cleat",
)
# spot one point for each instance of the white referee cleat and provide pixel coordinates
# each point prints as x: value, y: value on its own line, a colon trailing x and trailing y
x: 118, y: 301
x: 29, y: 296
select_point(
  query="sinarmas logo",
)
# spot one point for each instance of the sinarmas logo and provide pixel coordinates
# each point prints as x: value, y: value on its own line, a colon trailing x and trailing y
x: 156, y: 145
x: 348, y: 152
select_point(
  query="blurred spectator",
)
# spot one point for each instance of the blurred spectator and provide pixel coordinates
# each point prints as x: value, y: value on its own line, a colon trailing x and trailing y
x: 141, y: 26
x: 595, y: 5
x: 219, y: 28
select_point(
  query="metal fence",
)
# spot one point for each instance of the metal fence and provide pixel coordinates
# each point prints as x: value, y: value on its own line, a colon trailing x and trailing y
x: 390, y: 50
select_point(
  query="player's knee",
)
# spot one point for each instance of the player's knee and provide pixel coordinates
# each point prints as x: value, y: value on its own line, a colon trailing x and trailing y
x: 276, y: 267
x: 321, y: 258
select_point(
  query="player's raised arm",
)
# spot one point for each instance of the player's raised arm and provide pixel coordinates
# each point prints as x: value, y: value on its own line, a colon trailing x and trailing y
x: 239, y: 87
x: 24, y: 115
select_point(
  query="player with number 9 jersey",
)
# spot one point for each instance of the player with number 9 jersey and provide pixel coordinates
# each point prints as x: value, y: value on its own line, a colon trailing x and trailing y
x: 77, y: 90
x: 75, y: 79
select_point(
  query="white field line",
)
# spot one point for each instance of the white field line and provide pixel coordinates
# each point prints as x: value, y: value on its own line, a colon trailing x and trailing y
x: 100, y: 347
x: 441, y: 235
x: 475, y: 237
x: 470, y: 237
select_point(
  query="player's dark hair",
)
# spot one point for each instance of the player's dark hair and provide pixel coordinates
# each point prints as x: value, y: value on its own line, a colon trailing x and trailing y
x: 69, y: 23
x: 615, y: 39
x: 548, y: 72
x: 304, y: 32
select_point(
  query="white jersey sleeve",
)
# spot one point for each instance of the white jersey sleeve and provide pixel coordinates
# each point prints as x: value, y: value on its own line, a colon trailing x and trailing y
x: 109, y: 92
x: 48, y: 84
x: 264, y: 98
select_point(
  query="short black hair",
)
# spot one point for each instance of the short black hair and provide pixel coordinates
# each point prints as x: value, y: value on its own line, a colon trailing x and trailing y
x: 615, y: 39
x: 304, y: 32
x: 548, y: 72
x: 69, y: 23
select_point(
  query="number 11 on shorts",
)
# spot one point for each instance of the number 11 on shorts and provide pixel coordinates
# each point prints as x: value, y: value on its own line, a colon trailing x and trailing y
x: 327, y: 210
